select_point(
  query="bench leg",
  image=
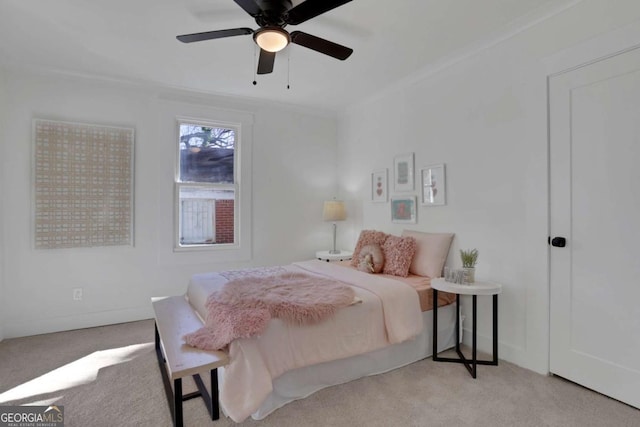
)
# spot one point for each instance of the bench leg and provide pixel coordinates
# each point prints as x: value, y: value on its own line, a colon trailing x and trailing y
x: 174, y: 395
x: 215, y: 408
x: 210, y: 401
x: 177, y: 402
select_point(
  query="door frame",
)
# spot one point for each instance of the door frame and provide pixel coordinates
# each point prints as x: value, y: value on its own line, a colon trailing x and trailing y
x: 594, y: 50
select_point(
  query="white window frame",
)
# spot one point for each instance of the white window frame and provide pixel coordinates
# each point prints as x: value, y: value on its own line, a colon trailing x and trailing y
x: 236, y: 187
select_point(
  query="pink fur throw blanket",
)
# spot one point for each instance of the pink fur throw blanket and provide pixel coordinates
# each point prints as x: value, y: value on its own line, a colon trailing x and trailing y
x: 244, y: 306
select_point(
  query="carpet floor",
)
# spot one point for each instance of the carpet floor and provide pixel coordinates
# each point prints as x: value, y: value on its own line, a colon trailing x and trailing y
x: 108, y: 376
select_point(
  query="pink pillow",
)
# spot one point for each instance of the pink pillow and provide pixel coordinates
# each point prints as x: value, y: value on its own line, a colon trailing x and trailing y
x: 367, y: 237
x: 398, y: 253
x: 431, y: 252
x: 371, y: 259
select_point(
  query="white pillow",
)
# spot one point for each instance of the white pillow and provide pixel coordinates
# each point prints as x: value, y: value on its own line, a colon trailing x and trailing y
x: 431, y: 253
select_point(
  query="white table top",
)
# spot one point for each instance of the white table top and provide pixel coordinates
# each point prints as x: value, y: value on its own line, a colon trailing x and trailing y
x: 476, y: 288
x: 342, y: 255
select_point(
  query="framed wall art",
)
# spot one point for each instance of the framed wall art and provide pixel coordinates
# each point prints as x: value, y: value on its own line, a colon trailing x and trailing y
x: 379, y: 186
x: 403, y: 210
x: 82, y: 185
x: 403, y: 173
x: 433, y: 185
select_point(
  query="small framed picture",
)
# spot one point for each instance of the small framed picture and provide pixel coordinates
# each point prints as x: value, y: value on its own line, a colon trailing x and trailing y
x: 379, y: 186
x: 403, y: 210
x: 403, y: 173
x: 433, y: 185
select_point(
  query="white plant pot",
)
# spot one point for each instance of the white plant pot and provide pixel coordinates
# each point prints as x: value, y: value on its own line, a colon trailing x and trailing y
x: 470, y: 274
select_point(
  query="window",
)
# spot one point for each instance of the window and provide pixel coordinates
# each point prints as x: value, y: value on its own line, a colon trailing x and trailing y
x: 207, y: 185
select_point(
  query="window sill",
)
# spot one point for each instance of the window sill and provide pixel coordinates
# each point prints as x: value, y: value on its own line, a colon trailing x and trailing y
x: 207, y: 247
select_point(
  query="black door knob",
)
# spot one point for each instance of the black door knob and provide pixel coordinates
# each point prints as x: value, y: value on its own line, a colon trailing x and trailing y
x: 559, y: 242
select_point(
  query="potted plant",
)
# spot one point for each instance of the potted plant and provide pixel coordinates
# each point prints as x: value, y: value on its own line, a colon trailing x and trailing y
x: 469, y: 258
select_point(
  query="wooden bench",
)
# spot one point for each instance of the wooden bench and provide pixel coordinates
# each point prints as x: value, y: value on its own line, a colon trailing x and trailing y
x: 174, y: 318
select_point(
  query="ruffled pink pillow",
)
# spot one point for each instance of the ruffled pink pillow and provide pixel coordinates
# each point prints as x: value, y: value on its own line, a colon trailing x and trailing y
x: 398, y: 254
x: 367, y: 237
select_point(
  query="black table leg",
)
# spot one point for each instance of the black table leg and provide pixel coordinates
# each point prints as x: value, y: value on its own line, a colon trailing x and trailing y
x: 474, y: 346
x: 457, y: 322
x: 495, y: 329
x: 435, y: 325
x: 473, y: 363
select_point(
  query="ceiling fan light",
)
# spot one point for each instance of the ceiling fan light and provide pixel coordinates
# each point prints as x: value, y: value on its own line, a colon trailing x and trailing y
x: 272, y: 39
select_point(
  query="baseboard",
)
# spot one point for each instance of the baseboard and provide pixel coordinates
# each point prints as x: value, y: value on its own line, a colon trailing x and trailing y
x: 77, y: 321
x: 506, y: 351
x: 484, y: 342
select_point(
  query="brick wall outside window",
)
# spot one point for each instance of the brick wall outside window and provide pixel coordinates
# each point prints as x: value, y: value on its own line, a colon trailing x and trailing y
x: 224, y: 221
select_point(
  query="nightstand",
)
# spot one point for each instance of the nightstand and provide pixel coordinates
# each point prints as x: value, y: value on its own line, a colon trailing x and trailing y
x: 473, y: 289
x: 326, y: 256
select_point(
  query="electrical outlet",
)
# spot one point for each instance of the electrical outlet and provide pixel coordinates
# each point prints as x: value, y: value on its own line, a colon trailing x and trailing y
x: 77, y: 294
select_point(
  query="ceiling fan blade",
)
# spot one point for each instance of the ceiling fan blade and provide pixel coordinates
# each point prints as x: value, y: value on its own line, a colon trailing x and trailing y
x: 310, y: 9
x: 249, y: 6
x: 321, y: 45
x: 209, y: 35
x: 265, y: 62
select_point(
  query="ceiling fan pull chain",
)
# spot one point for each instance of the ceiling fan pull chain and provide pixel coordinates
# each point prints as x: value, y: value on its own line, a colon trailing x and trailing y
x: 288, y: 66
x: 255, y: 62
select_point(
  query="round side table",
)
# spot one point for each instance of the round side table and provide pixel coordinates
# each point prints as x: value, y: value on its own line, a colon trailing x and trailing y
x: 473, y: 289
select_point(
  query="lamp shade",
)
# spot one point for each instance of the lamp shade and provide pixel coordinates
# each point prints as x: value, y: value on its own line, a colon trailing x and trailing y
x: 334, y: 211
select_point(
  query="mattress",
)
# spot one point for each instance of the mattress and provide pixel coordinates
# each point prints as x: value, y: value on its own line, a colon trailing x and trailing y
x: 421, y: 284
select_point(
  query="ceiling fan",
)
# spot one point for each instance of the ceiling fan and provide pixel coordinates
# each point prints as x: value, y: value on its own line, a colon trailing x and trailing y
x: 272, y: 16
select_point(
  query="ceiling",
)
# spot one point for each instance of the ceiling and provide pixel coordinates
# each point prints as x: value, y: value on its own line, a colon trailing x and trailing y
x: 135, y: 40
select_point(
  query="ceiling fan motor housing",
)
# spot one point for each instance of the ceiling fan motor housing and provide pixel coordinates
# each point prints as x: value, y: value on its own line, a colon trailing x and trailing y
x: 273, y: 13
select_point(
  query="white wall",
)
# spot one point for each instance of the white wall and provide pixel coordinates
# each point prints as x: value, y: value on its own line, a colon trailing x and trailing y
x: 3, y: 180
x: 293, y: 172
x: 485, y: 117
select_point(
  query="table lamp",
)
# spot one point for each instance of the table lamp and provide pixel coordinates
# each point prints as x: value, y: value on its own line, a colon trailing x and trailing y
x: 334, y: 211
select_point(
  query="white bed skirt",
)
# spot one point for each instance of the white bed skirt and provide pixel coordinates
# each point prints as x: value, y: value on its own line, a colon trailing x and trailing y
x: 302, y: 382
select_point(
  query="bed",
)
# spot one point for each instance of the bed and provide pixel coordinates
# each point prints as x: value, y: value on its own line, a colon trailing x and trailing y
x: 390, y: 326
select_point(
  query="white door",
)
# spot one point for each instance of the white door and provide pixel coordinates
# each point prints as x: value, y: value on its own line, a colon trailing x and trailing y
x: 595, y: 205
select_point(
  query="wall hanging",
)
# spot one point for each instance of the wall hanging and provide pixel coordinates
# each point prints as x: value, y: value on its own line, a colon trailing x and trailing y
x: 82, y: 185
x: 403, y: 210
x: 403, y: 172
x: 433, y: 185
x: 379, y: 186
